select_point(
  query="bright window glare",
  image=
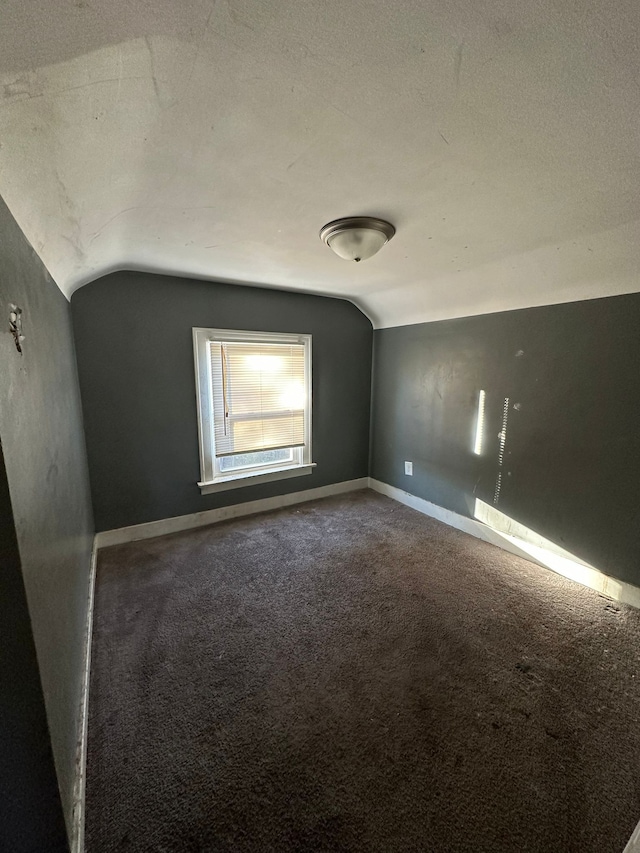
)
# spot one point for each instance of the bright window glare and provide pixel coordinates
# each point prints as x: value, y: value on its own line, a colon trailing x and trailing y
x: 292, y: 396
x: 264, y: 363
x: 477, y: 447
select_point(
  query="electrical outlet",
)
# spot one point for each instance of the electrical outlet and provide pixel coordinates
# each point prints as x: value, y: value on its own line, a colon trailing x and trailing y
x: 408, y: 468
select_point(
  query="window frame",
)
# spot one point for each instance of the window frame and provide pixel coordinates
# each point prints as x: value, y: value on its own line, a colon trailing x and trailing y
x: 212, y: 479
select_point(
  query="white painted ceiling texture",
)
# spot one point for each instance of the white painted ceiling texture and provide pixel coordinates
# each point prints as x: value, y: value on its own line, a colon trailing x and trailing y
x: 215, y: 139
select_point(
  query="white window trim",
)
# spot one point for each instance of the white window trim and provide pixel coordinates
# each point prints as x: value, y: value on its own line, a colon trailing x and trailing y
x: 209, y: 482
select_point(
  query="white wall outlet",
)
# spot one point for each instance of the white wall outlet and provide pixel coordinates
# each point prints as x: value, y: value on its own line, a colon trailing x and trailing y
x: 408, y: 468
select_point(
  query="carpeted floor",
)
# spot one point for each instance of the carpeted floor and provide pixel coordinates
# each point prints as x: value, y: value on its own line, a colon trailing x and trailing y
x: 348, y: 675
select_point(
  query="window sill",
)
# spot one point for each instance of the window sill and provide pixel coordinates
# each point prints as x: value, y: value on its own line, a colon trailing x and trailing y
x: 236, y: 481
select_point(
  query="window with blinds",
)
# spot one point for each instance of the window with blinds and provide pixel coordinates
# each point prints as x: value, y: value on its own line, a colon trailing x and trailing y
x: 254, y: 404
x: 258, y: 396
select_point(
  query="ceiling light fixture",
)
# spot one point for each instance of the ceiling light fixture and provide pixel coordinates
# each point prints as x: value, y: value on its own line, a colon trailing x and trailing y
x: 357, y: 238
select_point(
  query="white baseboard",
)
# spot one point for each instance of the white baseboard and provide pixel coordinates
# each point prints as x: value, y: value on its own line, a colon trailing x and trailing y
x: 557, y: 560
x: 77, y: 833
x: 151, y: 529
x: 453, y: 519
x: 633, y: 845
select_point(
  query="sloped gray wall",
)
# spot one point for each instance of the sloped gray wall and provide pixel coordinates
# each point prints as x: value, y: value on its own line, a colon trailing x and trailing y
x: 32, y: 816
x: 41, y: 431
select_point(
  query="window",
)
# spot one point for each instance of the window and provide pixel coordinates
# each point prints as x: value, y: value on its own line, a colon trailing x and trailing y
x: 254, y: 406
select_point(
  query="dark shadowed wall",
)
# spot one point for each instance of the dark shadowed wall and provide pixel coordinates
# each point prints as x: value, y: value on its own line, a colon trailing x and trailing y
x: 32, y: 816
x: 135, y: 358
x: 571, y: 457
x: 44, y: 453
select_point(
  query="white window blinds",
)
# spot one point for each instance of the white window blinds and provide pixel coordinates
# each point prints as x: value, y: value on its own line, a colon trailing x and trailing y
x: 259, y: 392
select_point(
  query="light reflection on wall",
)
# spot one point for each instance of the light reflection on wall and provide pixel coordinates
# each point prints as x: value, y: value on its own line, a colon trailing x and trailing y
x: 477, y: 445
x: 502, y: 437
x: 548, y: 554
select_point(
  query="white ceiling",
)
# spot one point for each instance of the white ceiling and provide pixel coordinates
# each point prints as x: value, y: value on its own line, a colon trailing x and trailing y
x: 214, y: 139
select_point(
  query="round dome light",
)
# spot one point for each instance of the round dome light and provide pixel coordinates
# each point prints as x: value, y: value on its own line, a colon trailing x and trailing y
x: 357, y: 238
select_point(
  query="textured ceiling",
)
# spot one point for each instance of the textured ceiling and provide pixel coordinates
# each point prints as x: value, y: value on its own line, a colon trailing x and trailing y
x: 214, y: 139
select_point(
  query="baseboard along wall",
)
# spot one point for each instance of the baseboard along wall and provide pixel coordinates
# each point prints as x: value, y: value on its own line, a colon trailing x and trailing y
x: 77, y: 832
x: 512, y: 538
x: 633, y: 845
x: 213, y: 516
x: 531, y: 549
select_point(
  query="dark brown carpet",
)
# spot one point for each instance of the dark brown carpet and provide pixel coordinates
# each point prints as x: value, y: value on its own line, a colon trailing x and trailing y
x: 349, y: 675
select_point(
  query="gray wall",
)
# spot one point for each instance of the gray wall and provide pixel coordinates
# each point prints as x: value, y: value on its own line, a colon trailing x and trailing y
x: 572, y: 454
x: 44, y: 453
x: 135, y: 359
x: 32, y: 818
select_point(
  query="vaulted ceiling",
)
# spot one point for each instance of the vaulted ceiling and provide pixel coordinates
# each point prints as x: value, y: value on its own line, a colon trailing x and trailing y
x: 214, y: 138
